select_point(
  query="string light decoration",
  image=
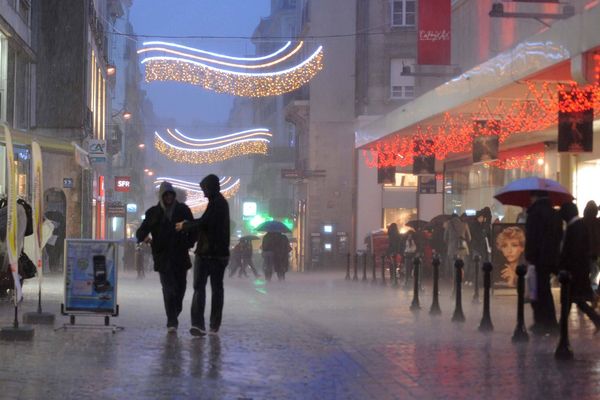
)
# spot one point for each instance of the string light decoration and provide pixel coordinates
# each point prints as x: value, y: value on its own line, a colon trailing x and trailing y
x: 183, y: 66
x: 212, y: 150
x: 195, y: 198
x: 455, y: 134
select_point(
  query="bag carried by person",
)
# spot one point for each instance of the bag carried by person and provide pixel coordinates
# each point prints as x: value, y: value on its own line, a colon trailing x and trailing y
x: 531, y: 286
x: 26, y: 267
x: 29, y: 214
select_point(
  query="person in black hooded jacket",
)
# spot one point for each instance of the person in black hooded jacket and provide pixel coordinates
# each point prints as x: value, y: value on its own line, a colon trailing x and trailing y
x: 170, y: 249
x: 212, y: 255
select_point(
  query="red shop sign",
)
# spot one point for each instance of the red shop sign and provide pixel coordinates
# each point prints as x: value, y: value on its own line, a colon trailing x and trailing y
x: 434, y: 47
x: 122, y: 183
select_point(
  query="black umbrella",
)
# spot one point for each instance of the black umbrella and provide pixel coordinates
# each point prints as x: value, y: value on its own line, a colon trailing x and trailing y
x: 416, y: 224
x: 272, y: 226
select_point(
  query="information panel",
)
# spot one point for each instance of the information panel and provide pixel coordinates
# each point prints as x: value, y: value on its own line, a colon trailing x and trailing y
x: 90, y: 276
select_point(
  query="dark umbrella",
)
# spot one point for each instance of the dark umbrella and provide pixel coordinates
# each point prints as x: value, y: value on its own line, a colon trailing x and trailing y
x: 518, y: 193
x: 417, y: 224
x: 272, y: 226
x: 249, y: 237
x: 438, y: 220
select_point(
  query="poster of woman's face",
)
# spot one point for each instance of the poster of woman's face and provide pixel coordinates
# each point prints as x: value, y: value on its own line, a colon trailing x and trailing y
x: 508, y: 251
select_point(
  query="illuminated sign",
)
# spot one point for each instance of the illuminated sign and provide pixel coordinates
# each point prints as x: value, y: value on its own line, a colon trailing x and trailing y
x: 122, y: 183
x: 327, y: 228
x: 131, y: 207
x: 249, y: 209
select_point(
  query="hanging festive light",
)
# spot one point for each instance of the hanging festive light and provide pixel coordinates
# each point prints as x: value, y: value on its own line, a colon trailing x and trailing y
x: 213, y: 150
x: 187, y: 68
x: 195, y: 199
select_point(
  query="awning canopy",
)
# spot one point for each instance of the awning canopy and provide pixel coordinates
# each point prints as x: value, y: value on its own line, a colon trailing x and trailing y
x: 545, y: 56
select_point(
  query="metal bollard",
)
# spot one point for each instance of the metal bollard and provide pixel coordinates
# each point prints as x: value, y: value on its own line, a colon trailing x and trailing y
x: 520, y: 334
x: 348, y: 266
x: 364, y: 278
x: 435, y: 305
x: 415, y: 306
x: 383, y: 270
x: 458, y: 316
x: 394, y: 271
x: 563, y: 350
x: 486, y: 321
x: 355, y: 277
x: 374, y: 280
x: 477, y: 261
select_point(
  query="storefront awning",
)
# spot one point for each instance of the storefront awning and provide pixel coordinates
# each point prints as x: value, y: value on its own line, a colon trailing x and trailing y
x: 46, y: 143
x: 498, y: 76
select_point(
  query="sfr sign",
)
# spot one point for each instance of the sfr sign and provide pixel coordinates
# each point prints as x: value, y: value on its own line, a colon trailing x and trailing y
x: 122, y: 183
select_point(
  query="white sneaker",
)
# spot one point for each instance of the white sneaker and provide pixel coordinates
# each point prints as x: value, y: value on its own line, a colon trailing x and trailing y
x: 195, y: 331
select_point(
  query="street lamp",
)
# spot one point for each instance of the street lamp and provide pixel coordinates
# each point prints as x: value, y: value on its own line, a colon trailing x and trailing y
x: 142, y: 146
x: 110, y: 69
x: 126, y: 115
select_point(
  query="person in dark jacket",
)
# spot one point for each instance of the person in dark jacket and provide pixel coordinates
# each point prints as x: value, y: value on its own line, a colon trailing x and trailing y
x: 590, y: 219
x: 574, y: 257
x: 543, y: 234
x: 282, y: 256
x: 269, y: 249
x: 212, y: 255
x: 169, y: 249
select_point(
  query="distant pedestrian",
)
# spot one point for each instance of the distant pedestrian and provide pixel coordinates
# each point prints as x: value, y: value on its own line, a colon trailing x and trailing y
x: 590, y: 219
x: 269, y: 247
x: 480, y: 243
x: 574, y: 257
x: 282, y: 256
x: 394, y: 243
x: 457, y: 237
x: 212, y: 255
x: 235, y: 261
x: 169, y: 249
x: 543, y: 234
x: 246, y: 257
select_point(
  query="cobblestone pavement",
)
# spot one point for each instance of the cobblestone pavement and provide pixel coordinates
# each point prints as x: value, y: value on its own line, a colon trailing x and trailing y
x: 315, y: 336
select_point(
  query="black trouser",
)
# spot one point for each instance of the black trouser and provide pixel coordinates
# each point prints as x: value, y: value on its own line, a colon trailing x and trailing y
x: 203, y: 268
x: 589, y: 311
x: 544, y: 313
x: 173, y: 281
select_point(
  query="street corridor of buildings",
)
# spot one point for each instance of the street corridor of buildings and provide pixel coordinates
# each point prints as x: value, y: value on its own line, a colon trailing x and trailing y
x: 314, y: 336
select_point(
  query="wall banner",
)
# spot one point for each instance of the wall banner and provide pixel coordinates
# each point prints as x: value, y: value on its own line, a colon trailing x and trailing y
x: 433, y: 45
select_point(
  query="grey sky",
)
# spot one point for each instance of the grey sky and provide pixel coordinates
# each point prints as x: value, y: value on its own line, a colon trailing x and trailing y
x: 186, y: 103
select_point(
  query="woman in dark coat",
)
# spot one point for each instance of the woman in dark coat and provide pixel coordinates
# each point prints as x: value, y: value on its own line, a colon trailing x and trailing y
x: 574, y: 257
x: 590, y: 219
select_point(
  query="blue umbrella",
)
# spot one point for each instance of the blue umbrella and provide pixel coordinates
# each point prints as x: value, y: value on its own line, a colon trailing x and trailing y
x: 272, y: 226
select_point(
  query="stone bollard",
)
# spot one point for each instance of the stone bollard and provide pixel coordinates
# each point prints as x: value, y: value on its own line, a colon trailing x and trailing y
x: 383, y: 270
x: 435, y: 305
x: 374, y: 279
x: 486, y: 321
x: 458, y: 316
x: 355, y: 277
x: 563, y: 350
x: 415, y: 306
x: 364, y: 278
x: 348, y: 266
x: 477, y: 261
x: 520, y: 334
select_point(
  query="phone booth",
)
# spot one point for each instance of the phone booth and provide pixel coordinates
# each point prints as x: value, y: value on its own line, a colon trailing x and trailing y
x: 315, y: 250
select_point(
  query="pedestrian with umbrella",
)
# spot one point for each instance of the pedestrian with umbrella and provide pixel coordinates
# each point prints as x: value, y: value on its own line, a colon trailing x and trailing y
x: 543, y: 234
x: 272, y: 245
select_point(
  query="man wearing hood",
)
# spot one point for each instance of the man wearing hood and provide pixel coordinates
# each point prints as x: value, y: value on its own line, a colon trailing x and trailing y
x: 212, y: 255
x: 169, y: 248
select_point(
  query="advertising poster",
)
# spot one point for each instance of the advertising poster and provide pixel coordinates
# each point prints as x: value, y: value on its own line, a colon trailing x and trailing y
x: 575, y: 130
x: 508, y: 251
x: 385, y: 175
x: 90, y: 276
x: 424, y: 158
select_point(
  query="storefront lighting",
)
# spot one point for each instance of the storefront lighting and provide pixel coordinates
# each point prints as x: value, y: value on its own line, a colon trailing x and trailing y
x: 540, y: 161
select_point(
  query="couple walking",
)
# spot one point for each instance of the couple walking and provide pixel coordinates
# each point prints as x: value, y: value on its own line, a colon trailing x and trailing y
x: 171, y: 230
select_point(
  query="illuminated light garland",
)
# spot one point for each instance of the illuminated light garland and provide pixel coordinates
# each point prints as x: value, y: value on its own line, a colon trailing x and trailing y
x: 218, y: 55
x: 214, y: 150
x: 529, y: 162
x: 234, y: 82
x: 195, y: 198
x: 225, y: 63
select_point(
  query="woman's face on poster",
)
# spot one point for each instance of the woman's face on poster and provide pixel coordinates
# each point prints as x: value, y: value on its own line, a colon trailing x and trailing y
x: 511, y: 250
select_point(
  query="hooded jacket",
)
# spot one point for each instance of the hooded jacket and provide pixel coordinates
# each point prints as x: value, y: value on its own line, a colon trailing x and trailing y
x: 169, y: 247
x: 590, y: 219
x: 212, y: 228
x: 543, y: 234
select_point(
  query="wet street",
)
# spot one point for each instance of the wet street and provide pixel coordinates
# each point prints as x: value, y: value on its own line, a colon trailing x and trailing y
x: 315, y: 336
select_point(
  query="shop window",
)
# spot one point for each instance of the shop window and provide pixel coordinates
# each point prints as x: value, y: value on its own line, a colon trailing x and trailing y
x: 404, y: 12
x: 402, y: 87
x: 399, y: 216
x: 404, y: 180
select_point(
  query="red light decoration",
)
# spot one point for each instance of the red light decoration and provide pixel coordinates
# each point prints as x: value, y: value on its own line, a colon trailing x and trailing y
x: 455, y: 134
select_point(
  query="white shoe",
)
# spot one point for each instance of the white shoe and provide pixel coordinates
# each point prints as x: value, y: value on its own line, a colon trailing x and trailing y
x: 195, y: 331
x: 172, y: 329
